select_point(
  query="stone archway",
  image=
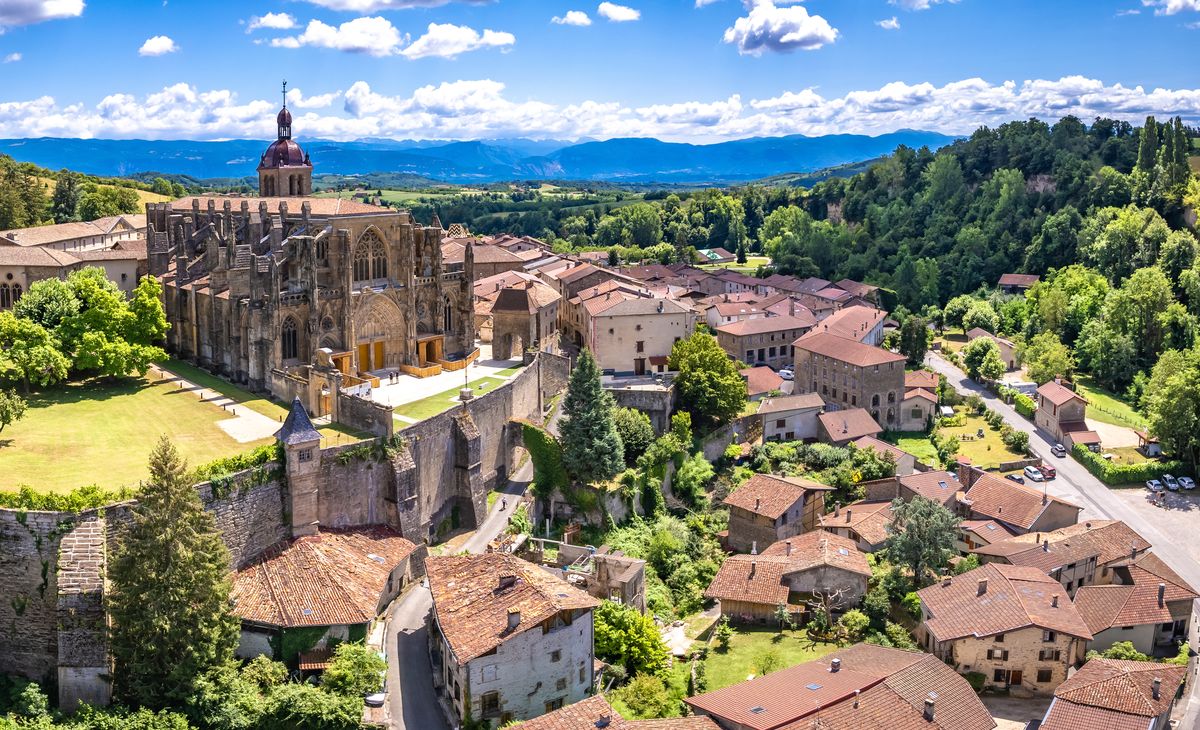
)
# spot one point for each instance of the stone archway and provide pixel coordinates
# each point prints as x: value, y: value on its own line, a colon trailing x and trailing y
x: 379, y: 333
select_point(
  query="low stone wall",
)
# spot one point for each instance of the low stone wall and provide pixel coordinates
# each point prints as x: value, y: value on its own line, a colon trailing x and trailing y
x: 364, y: 414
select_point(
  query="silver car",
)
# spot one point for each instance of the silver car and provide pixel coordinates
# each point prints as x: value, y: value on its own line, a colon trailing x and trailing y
x: 1187, y: 483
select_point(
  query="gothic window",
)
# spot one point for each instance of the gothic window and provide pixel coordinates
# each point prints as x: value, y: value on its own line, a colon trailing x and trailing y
x: 370, y: 258
x: 447, y: 316
x: 322, y: 250
x: 16, y: 293
x: 875, y: 400
x: 289, y: 339
x: 5, y: 297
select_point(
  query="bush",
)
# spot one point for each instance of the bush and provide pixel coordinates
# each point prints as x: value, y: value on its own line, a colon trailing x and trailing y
x: 853, y: 625
x: 238, y: 462
x: 302, y: 705
x: 1024, y: 405
x: 647, y: 697
x: 724, y: 633
x: 692, y: 479
x: 264, y: 672
x: 546, y: 453
x: 635, y: 431
x: 1115, y: 475
x: 77, y: 500
x: 911, y: 603
x: 356, y: 671
x: 976, y: 680
x: 1017, y: 441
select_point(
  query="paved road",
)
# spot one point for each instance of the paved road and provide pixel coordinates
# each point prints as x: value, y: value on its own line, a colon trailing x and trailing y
x: 1076, y: 484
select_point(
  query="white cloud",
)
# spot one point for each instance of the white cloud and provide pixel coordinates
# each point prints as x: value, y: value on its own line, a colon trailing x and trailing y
x: 889, y: 23
x: 1130, y: 11
x: 480, y: 109
x: 274, y: 21
x: 572, y: 17
x: 768, y: 27
x: 159, y: 45
x: 617, y: 13
x: 1171, y: 7
x: 27, y: 12
x: 13, y: 58
x: 374, y: 36
x: 919, y: 4
x: 371, y: 6
x: 702, y: 3
x: 446, y: 40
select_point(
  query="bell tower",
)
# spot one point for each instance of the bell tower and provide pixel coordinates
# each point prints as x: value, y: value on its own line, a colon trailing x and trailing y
x: 285, y: 169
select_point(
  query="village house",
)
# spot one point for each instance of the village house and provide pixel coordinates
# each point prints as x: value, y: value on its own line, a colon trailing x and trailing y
x: 860, y: 686
x: 1146, y: 604
x: 790, y: 573
x: 716, y: 256
x: 867, y: 523
x: 849, y: 374
x: 976, y: 534
x: 842, y: 427
x: 768, y: 508
x: 1013, y: 624
x: 1077, y: 555
x: 762, y: 381
x: 1061, y: 412
x: 595, y: 713
x: 631, y: 333
x: 763, y: 340
x: 1018, y: 507
x: 98, y: 235
x: 20, y: 267
x: 1008, y: 351
x: 937, y: 486
x: 1017, y: 283
x: 515, y: 311
x: 905, y: 462
x: 918, y: 409
x: 489, y: 260
x: 921, y: 379
x: 1116, y: 694
x: 510, y: 640
x: 729, y: 308
x: 338, y: 581
x: 791, y: 417
x: 857, y: 323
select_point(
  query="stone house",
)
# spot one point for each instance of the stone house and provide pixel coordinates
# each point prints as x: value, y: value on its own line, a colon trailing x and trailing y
x: 855, y: 322
x: 510, y: 641
x: 21, y: 266
x: 489, y: 260
x: 763, y: 340
x: 1078, y: 555
x: 1060, y: 411
x: 524, y: 317
x: 101, y: 234
x: 867, y: 523
x: 938, y: 486
x: 905, y: 462
x: 725, y: 309
x: 1147, y: 604
x: 1018, y: 507
x: 633, y: 334
x: 1013, y: 624
x: 844, y: 426
x: 849, y: 374
x: 1113, y: 693
x: 791, y: 417
x: 789, y: 573
x: 769, y: 508
x: 976, y: 534
x: 1008, y: 351
x: 853, y: 688
x: 918, y: 409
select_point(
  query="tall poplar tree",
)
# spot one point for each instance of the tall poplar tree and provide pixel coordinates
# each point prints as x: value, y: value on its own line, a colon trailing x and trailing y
x: 592, y: 448
x: 169, y: 600
x: 1148, y: 146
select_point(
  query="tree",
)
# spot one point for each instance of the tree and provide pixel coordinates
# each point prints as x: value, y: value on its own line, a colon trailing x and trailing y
x: 625, y: 636
x: 12, y: 408
x: 783, y: 617
x: 633, y: 426
x: 915, y: 338
x: 109, y: 335
x: 1121, y: 650
x: 302, y: 705
x: 981, y: 315
x: 992, y: 367
x: 1172, y: 403
x: 853, y: 625
x: 105, y: 200
x: 741, y: 252
x: 647, y: 697
x: 922, y: 536
x: 767, y: 661
x: 64, y: 205
x: 48, y: 303
x: 591, y: 447
x: 169, y: 600
x: 356, y: 671
x: 162, y: 186
x: 956, y: 309
x: 724, y: 632
x: 976, y: 351
x: 1109, y: 355
x: 1046, y: 358
x: 709, y: 385
x: 692, y: 479
x: 29, y: 354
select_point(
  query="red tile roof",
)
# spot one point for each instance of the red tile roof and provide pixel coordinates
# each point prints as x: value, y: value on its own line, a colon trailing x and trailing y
x: 853, y: 323
x: 1123, y: 686
x: 770, y: 495
x: 1015, y: 597
x: 881, y: 447
x: 921, y: 393
x: 870, y: 520
x: 845, y: 350
x: 1106, y: 606
x: 594, y: 713
x: 1107, y: 540
x: 779, y: 404
x: 333, y: 578
x: 926, y: 379
x: 1006, y: 501
x: 471, y: 603
x: 1057, y: 393
x: 763, y: 325
x: 939, y: 486
x: 1022, y: 280
x: 849, y: 424
x: 761, y: 379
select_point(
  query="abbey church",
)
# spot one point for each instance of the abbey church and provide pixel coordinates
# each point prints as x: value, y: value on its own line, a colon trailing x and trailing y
x: 268, y: 290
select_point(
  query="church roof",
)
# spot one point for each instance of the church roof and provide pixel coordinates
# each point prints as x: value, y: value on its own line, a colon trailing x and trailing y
x: 298, y: 428
x: 284, y: 153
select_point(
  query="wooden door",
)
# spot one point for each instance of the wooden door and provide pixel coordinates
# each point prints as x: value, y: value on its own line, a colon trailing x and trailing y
x: 364, y: 358
x: 1014, y: 677
x: 377, y: 359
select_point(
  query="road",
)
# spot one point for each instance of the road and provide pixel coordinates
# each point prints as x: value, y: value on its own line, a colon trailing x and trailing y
x: 1076, y: 484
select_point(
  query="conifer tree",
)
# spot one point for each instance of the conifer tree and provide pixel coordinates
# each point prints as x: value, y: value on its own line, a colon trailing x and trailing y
x: 1148, y: 147
x: 592, y: 448
x: 65, y: 203
x: 170, y: 584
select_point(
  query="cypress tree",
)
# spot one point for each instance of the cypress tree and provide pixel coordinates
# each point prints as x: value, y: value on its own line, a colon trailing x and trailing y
x: 1182, y: 148
x: 1148, y: 146
x: 592, y: 448
x: 170, y: 584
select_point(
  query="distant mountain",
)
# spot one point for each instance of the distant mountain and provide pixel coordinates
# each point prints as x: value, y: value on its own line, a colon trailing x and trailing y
x: 626, y: 160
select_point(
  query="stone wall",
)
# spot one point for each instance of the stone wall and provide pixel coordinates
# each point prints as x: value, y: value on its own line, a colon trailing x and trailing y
x: 364, y: 414
x: 654, y: 402
x: 29, y: 587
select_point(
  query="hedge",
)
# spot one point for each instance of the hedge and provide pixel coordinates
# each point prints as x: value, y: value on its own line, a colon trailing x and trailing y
x: 1115, y: 475
x: 238, y: 462
x: 77, y: 500
x: 1024, y: 405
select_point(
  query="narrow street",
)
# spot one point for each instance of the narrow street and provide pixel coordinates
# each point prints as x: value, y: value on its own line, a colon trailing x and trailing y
x: 1076, y: 484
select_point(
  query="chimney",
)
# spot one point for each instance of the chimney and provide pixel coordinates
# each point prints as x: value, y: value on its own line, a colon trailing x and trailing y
x: 514, y: 618
x: 1054, y: 602
x: 1046, y: 546
x: 1156, y: 688
x: 757, y: 503
x: 604, y: 721
x: 835, y: 664
x: 847, y: 516
x: 982, y: 587
x: 929, y: 706
x: 787, y: 551
x: 1162, y: 594
x: 856, y: 698
x: 1133, y: 553
x: 754, y: 547
x: 837, y: 508
x: 753, y: 567
x: 946, y: 582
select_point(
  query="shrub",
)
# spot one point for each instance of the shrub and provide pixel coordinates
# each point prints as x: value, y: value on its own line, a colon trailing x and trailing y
x: 77, y: 500
x: 1115, y: 475
x: 724, y: 633
x: 356, y: 671
x: 264, y: 672
x: 1017, y: 441
x: 1024, y: 405
x: 238, y: 462
x: 767, y: 661
x: 692, y: 479
x: 911, y: 603
x: 647, y: 697
x: 302, y: 705
x: 853, y: 625
x: 546, y: 453
x: 976, y: 680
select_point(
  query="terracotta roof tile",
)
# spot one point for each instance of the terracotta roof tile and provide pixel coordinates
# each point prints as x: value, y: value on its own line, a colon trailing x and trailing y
x: 783, y: 403
x: 763, y: 325
x: 1064, y: 715
x: 849, y: 424
x: 870, y: 520
x: 1107, y: 540
x: 770, y: 495
x: 1057, y: 393
x: 939, y: 486
x: 761, y: 379
x: 1123, y: 686
x: 853, y: 323
x: 1106, y: 606
x: 881, y: 447
x: 925, y: 379
x: 1009, y: 502
x: 844, y: 349
x: 922, y: 394
x: 1025, y: 280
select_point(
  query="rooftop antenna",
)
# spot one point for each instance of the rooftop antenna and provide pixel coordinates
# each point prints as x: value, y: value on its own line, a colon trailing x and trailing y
x: 285, y: 93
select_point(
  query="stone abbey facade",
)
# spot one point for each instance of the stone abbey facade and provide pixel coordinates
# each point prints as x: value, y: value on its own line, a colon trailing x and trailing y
x: 259, y: 289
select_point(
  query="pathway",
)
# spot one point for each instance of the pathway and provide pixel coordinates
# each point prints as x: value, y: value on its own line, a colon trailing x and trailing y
x: 244, y: 424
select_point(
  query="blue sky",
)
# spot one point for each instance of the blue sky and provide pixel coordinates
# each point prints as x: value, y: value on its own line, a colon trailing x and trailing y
x: 697, y: 70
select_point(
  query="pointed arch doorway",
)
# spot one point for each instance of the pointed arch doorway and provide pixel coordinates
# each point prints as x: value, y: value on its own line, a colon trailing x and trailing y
x: 379, y: 330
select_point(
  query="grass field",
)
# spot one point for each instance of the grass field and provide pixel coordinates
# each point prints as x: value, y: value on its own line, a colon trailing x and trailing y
x: 951, y: 342
x: 402, y: 197
x: 915, y: 443
x: 986, y: 452
x: 736, y: 664
x: 428, y: 407
x: 1107, y: 407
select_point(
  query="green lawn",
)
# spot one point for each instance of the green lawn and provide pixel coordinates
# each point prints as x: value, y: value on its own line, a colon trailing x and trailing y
x: 1127, y: 455
x: 916, y: 443
x: 983, y: 453
x: 737, y: 663
x: 428, y: 407
x: 951, y: 341
x: 1107, y: 407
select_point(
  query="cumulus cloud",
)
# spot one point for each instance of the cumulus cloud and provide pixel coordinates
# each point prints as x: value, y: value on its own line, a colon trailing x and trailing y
x: 27, y: 12
x: 920, y: 4
x: 769, y: 27
x: 159, y: 45
x: 617, y: 13
x: 480, y: 109
x: 572, y: 17
x: 889, y: 23
x: 274, y: 21
x: 13, y: 58
x: 446, y: 40
x: 374, y: 36
x: 371, y: 6
x: 1162, y: 7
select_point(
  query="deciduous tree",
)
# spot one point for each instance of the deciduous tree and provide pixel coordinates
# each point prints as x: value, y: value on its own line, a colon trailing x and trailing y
x: 709, y: 385
x: 628, y: 637
x: 633, y: 426
x: 1046, y: 357
x: 922, y: 536
x: 915, y: 338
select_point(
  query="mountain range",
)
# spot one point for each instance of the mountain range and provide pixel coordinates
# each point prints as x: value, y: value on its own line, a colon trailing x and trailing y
x: 622, y: 160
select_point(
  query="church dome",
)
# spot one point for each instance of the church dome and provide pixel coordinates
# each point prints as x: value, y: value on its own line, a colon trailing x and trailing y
x: 285, y: 118
x: 284, y: 153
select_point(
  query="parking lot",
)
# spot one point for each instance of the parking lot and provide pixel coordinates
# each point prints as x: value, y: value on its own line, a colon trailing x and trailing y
x: 1180, y: 514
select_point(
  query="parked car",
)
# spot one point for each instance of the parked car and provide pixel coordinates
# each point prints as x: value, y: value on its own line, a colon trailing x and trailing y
x: 1170, y: 482
x: 1187, y: 483
x: 786, y: 374
x: 1048, y: 471
x: 1033, y: 474
x: 1058, y: 450
x: 1016, y: 478
x: 1154, y: 485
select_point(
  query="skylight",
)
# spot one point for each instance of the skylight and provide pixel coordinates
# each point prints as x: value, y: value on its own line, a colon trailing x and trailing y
x: 843, y: 551
x: 758, y: 710
x: 813, y: 686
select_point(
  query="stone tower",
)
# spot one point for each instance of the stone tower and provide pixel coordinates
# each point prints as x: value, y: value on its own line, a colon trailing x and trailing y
x: 285, y: 169
x: 302, y: 453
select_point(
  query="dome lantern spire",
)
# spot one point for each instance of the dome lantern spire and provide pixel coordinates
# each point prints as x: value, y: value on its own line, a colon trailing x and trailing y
x: 284, y: 120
